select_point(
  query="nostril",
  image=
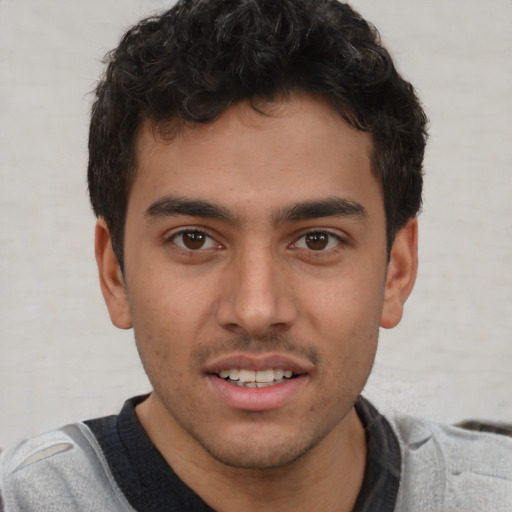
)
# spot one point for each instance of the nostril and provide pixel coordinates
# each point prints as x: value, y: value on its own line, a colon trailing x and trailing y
x: 255, y: 299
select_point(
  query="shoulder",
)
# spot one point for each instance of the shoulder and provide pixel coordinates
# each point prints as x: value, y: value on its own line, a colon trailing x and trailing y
x: 61, y: 471
x: 446, y: 468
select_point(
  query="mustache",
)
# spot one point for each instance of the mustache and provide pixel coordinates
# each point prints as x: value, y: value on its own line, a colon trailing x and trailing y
x: 255, y: 345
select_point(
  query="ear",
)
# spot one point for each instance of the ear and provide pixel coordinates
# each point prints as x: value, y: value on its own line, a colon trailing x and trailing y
x: 111, y: 277
x: 401, y: 274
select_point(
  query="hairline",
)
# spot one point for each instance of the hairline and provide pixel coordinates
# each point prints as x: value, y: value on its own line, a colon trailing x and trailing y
x: 166, y: 130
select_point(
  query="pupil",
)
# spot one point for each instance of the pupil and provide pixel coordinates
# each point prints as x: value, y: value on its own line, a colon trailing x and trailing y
x: 317, y: 241
x: 194, y: 239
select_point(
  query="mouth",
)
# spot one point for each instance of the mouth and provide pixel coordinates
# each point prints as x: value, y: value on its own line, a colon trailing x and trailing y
x: 247, y: 378
x: 255, y: 382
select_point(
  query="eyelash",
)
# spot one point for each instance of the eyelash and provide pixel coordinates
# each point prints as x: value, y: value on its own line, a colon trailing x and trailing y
x: 174, y: 237
x: 213, y: 244
x: 339, y: 241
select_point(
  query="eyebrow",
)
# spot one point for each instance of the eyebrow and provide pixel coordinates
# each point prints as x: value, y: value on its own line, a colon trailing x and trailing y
x: 171, y: 206
x: 330, y: 207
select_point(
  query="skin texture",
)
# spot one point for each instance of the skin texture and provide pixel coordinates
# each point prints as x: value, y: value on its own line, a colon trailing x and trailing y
x: 267, y: 283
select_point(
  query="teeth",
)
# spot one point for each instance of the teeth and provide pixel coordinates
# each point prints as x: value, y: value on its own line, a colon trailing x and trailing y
x: 247, y: 375
x: 264, y: 376
x: 253, y: 384
x: 251, y: 378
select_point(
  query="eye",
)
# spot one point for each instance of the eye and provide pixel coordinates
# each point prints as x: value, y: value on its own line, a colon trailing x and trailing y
x: 317, y: 241
x: 194, y: 240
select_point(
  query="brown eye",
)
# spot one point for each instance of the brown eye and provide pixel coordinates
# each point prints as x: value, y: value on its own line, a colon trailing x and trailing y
x: 194, y: 240
x: 316, y: 241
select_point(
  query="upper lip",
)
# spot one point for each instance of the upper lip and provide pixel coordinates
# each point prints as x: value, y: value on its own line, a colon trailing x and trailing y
x: 258, y: 362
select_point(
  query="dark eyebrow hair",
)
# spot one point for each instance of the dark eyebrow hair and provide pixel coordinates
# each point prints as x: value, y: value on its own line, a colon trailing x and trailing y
x: 330, y: 207
x: 170, y: 206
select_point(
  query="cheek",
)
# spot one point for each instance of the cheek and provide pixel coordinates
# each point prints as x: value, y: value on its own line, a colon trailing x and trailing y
x: 345, y: 321
x: 167, y: 302
x: 170, y: 316
x: 350, y: 303
x: 160, y: 326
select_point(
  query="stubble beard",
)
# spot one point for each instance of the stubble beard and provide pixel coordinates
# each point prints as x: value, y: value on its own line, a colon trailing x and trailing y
x: 252, y: 448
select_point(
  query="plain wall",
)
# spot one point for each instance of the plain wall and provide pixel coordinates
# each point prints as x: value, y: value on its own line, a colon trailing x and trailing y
x: 60, y: 358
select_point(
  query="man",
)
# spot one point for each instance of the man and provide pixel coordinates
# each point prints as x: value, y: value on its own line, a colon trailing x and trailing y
x: 256, y: 170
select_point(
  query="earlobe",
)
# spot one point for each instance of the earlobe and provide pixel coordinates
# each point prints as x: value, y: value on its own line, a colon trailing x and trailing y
x: 401, y: 274
x: 111, y: 277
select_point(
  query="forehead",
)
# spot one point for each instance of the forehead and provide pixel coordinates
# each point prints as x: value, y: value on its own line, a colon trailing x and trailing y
x: 298, y: 149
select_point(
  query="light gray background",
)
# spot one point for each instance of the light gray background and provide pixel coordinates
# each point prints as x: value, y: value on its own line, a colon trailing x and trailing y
x: 61, y: 360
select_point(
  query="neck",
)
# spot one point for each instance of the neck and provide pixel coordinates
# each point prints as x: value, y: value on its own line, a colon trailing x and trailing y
x: 327, y: 477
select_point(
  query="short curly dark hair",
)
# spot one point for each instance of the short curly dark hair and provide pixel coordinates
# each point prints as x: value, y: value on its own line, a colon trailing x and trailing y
x: 192, y: 62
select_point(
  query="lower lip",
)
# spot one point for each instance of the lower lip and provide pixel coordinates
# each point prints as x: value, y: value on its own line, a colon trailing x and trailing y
x: 257, y: 399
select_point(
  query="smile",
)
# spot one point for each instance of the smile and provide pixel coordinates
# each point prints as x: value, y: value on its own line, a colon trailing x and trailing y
x: 255, y: 379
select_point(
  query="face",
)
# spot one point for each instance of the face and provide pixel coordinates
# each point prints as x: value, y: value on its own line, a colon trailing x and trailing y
x: 255, y: 279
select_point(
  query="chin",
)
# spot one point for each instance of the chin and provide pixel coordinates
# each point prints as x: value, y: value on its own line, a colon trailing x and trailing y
x: 256, y: 457
x: 260, y: 450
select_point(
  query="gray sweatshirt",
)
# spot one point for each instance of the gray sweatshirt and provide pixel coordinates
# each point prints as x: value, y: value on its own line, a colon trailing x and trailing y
x: 444, y: 469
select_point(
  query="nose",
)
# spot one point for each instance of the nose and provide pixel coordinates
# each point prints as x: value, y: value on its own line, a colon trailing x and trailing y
x: 257, y: 297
